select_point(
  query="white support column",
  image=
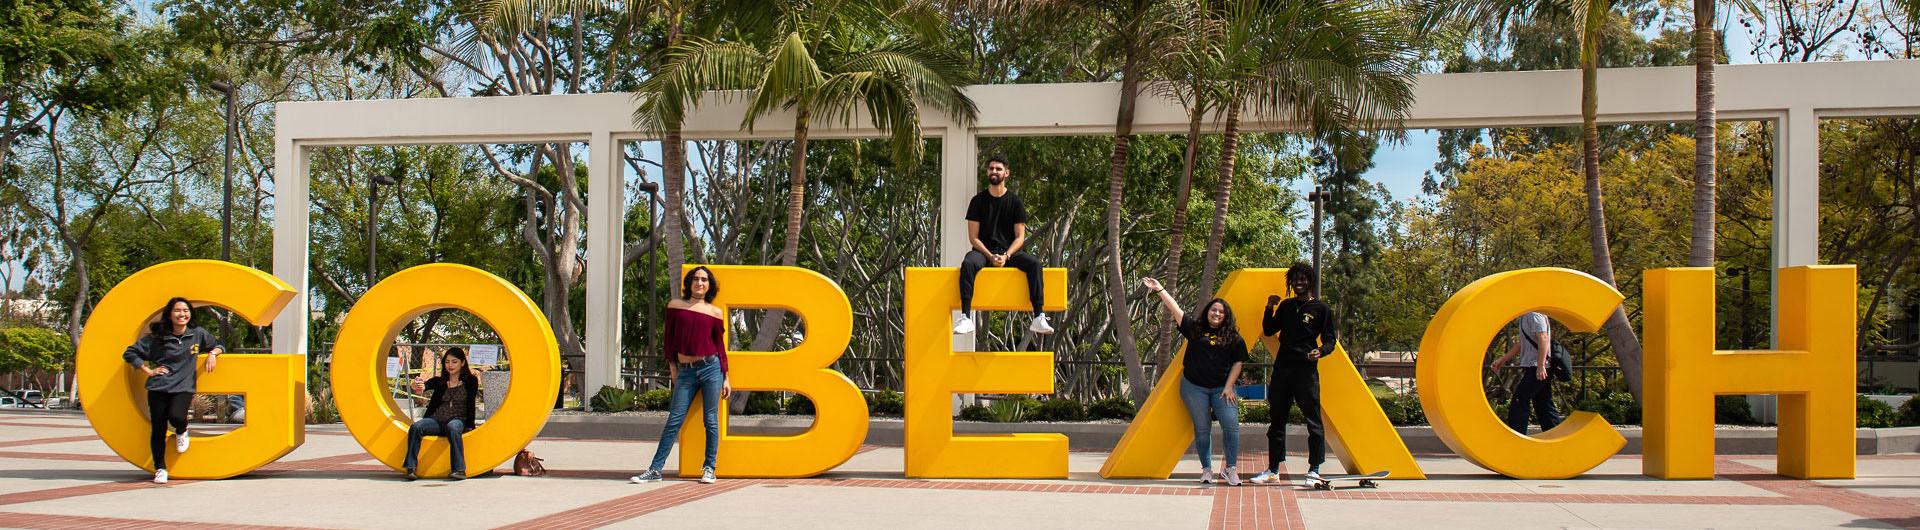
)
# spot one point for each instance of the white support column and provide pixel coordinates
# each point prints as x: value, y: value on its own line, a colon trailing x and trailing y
x: 606, y: 213
x: 290, y: 168
x: 1796, y: 216
x: 959, y: 156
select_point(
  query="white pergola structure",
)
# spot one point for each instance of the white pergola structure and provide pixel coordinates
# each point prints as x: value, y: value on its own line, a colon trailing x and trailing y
x: 1794, y: 96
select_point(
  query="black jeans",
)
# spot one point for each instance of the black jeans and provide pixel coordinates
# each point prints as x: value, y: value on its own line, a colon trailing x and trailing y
x: 1532, y: 393
x: 1295, y: 384
x: 971, y: 265
x: 165, y: 408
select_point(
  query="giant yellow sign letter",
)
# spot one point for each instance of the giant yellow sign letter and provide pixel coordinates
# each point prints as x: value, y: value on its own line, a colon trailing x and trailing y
x: 1813, y: 372
x: 1449, y: 373
x: 935, y: 372
x: 275, y: 385
x: 360, y: 354
x: 1360, y: 433
x: 840, y: 415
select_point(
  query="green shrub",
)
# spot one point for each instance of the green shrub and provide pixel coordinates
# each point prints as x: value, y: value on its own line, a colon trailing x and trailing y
x: 799, y: 405
x: 886, y: 403
x: 1732, y: 410
x: 1873, y: 414
x: 1113, y: 408
x: 614, y: 399
x: 976, y: 413
x: 1403, y: 410
x: 1255, y: 412
x: 762, y: 403
x: 1909, y: 413
x: 1009, y: 410
x: 656, y: 399
x: 1058, y: 410
x: 1617, y: 407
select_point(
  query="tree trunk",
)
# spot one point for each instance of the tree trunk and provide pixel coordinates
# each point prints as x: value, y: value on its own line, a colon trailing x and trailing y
x: 1704, y: 123
x: 673, y: 151
x: 1626, y: 344
x: 1171, y: 270
x: 1137, y: 384
x: 1229, y: 150
x: 771, y: 321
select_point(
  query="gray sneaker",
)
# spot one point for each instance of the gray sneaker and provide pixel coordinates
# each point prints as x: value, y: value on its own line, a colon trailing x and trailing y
x: 651, y: 475
x: 706, y: 475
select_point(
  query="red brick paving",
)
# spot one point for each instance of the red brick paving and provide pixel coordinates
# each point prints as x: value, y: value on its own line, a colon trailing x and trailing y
x: 1898, y: 512
x: 39, y: 441
x: 631, y: 506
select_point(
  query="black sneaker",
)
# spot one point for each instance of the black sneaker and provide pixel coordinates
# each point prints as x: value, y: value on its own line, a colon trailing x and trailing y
x: 457, y: 475
x: 411, y: 476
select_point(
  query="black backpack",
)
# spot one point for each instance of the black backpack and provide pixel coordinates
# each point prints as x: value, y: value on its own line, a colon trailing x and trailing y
x: 1560, y: 362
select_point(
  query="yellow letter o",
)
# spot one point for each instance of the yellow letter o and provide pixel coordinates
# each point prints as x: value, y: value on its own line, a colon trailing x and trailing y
x: 359, y: 365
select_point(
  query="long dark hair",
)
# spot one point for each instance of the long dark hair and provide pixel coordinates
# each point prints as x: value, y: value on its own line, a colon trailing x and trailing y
x: 466, y: 368
x: 1227, y: 324
x: 686, y: 284
x: 165, y: 325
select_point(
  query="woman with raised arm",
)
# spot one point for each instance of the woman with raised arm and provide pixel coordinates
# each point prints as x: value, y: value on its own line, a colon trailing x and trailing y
x: 1212, y: 362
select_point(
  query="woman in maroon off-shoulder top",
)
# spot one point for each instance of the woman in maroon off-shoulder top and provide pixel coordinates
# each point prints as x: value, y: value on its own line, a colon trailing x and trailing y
x: 696, y: 363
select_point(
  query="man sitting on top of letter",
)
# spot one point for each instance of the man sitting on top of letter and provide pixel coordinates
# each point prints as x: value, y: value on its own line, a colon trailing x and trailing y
x: 996, y: 231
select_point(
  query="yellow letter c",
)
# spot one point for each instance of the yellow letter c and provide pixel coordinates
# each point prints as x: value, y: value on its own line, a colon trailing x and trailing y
x: 1449, y: 371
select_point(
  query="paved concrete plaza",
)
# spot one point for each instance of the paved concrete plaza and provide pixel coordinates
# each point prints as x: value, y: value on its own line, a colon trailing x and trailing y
x: 55, y: 474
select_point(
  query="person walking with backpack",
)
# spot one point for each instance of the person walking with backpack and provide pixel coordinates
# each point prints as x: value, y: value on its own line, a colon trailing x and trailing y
x: 1533, y: 342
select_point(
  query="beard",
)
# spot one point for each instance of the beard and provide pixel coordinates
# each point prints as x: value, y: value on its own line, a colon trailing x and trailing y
x: 996, y: 181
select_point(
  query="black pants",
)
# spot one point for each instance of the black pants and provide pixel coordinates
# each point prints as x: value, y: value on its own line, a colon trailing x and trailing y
x: 1532, y: 393
x: 971, y: 265
x: 166, y: 408
x: 1295, y: 384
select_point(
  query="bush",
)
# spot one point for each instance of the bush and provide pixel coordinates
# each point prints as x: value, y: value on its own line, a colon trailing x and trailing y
x: 1403, y: 409
x: 656, y: 399
x: 886, y: 403
x: 1873, y: 414
x: 762, y: 403
x: 1909, y: 413
x: 1113, y: 408
x: 976, y: 413
x: 799, y: 405
x: 1255, y: 412
x: 614, y: 399
x: 1618, y: 408
x: 1058, y: 410
x: 1010, y: 410
x: 1732, y: 410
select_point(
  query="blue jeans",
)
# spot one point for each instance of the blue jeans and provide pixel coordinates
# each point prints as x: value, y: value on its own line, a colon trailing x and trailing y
x: 1205, y: 405
x: 425, y: 427
x: 705, y: 378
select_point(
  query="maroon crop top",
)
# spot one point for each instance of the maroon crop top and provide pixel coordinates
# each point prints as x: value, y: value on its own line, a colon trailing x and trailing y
x: 694, y: 334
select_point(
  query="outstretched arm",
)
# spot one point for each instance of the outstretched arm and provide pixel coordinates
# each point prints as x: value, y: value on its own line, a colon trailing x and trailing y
x: 1166, y: 299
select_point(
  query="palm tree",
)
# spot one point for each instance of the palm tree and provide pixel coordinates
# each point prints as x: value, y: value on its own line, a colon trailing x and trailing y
x: 1187, y: 79
x: 1589, y: 17
x: 1137, y: 33
x: 1705, y: 122
x: 827, y: 61
x: 1324, y: 66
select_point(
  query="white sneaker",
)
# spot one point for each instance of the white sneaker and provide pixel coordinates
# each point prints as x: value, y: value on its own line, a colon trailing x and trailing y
x: 1206, y: 476
x: 160, y: 477
x: 651, y: 475
x: 1040, y: 325
x: 706, y: 475
x: 180, y: 443
x: 1265, y: 477
x: 963, y: 326
x: 1233, y: 476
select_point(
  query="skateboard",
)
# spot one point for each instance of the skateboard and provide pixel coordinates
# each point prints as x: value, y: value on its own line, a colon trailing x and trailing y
x: 1366, y: 481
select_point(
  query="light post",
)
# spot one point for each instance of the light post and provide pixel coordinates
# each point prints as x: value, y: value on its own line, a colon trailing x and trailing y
x: 653, y: 269
x: 373, y: 214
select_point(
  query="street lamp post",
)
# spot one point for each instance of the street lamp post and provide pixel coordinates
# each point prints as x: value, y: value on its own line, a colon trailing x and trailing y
x: 1319, y: 200
x: 226, y: 197
x: 653, y: 269
x: 373, y: 215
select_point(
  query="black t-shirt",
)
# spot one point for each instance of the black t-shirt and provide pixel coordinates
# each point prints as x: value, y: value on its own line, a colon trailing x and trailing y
x: 996, y: 216
x: 1303, y: 325
x: 1210, y: 352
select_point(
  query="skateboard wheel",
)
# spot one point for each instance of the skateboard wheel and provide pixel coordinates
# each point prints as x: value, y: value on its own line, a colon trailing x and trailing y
x: 1368, y: 484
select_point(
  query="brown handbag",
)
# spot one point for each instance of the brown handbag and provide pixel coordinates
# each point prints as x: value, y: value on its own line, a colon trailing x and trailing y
x: 527, y: 465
